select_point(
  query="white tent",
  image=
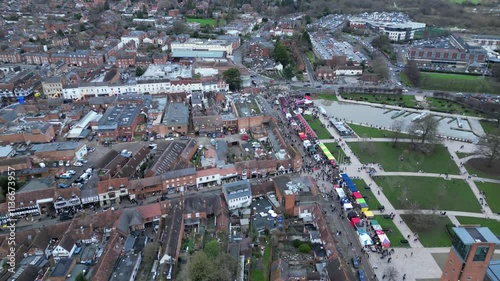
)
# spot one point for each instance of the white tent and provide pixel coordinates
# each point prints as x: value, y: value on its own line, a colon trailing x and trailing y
x: 347, y: 206
x: 365, y: 239
x: 340, y: 192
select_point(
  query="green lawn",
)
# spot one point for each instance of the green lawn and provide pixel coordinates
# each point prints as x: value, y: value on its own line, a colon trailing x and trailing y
x: 318, y: 127
x: 477, y: 167
x: 263, y: 274
x: 493, y: 225
x: 311, y: 57
x: 338, y: 153
x: 492, y: 191
x: 455, y: 82
x: 202, y: 22
x: 430, y: 193
x: 369, y: 132
x: 372, y: 201
x: 442, y: 105
x: 476, y: 2
x: 390, y: 158
x: 395, y: 235
x: 399, y: 100
x: 464, y: 154
x: 436, y: 236
x: 326, y: 96
x: 490, y: 127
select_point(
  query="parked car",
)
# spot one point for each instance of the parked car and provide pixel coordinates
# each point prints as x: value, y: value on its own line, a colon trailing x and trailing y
x: 68, y: 163
x: 65, y: 176
x: 77, y: 164
x: 83, y: 161
x: 63, y: 185
x: 91, y: 149
x: 169, y: 139
x: 61, y: 163
x: 361, y: 275
x: 355, y: 263
x: 71, y: 172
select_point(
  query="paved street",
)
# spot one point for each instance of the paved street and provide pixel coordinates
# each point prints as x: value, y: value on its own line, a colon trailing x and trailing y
x: 405, y: 258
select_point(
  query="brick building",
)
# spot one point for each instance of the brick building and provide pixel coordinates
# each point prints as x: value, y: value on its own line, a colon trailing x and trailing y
x: 470, y: 254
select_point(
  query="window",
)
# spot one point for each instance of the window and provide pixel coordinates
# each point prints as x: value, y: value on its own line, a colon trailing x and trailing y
x: 481, y: 253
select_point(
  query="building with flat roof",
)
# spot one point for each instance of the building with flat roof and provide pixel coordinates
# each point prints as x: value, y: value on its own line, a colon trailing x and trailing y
x: 493, y: 271
x: 55, y: 151
x: 470, y: 254
x: 119, y: 122
x: 201, y: 48
x: 449, y: 52
x: 237, y: 194
x: 175, y: 120
x: 127, y: 267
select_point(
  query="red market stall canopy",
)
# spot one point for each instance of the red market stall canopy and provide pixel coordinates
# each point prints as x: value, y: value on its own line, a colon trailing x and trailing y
x: 357, y: 195
x: 308, y: 129
x: 354, y: 221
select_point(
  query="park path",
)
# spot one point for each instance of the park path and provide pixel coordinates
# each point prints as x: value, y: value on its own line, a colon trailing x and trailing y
x: 416, y: 253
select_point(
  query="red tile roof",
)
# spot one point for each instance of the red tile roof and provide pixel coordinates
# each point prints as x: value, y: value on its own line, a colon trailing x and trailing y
x: 150, y: 211
x: 103, y: 186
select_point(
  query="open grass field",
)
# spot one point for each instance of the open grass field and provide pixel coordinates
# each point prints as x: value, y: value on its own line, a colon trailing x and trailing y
x: 326, y: 96
x: 394, y: 235
x: 455, y: 83
x: 494, y: 225
x: 490, y: 127
x: 433, y: 237
x: 318, y: 127
x: 479, y: 167
x: 492, y: 191
x: 372, y: 201
x: 369, y: 132
x: 441, y: 105
x: 202, y: 22
x: 464, y: 154
x: 475, y: 2
x: 338, y: 153
x: 403, y: 159
x: 430, y: 193
x: 404, y: 101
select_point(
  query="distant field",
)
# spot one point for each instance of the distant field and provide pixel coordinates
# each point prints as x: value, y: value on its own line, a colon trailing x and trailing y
x: 202, y: 21
x: 462, y: 1
x: 454, y: 83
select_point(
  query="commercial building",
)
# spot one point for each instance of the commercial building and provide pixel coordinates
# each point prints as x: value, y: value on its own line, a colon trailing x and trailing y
x: 55, y: 151
x: 237, y: 194
x: 396, y: 31
x: 451, y: 52
x: 470, y: 254
x: 175, y: 120
x: 200, y: 48
x: 119, y: 122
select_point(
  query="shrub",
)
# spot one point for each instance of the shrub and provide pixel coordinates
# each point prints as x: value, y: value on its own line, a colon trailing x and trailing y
x: 304, y: 248
x: 296, y: 243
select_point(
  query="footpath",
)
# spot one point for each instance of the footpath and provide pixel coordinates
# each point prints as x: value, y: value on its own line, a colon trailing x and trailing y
x: 405, y: 259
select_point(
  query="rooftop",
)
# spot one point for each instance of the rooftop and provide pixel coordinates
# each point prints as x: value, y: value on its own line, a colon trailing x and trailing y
x: 237, y: 189
x: 121, y: 115
x: 167, y: 71
x: 470, y: 235
x: 125, y: 268
x: 177, y: 114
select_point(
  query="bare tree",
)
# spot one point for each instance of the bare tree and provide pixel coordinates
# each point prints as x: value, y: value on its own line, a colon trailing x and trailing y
x: 380, y: 68
x: 489, y: 146
x: 391, y: 273
x: 397, y: 127
x: 412, y: 72
x: 425, y: 130
x: 403, y: 196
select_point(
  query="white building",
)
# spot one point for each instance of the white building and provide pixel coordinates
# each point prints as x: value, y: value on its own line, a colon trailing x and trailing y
x: 65, y: 248
x: 238, y: 194
x: 201, y: 44
x: 153, y: 87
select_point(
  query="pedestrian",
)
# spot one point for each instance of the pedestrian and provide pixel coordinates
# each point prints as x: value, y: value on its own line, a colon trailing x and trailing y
x: 383, y: 277
x: 408, y: 236
x: 406, y: 255
x: 378, y: 192
x: 411, y: 255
